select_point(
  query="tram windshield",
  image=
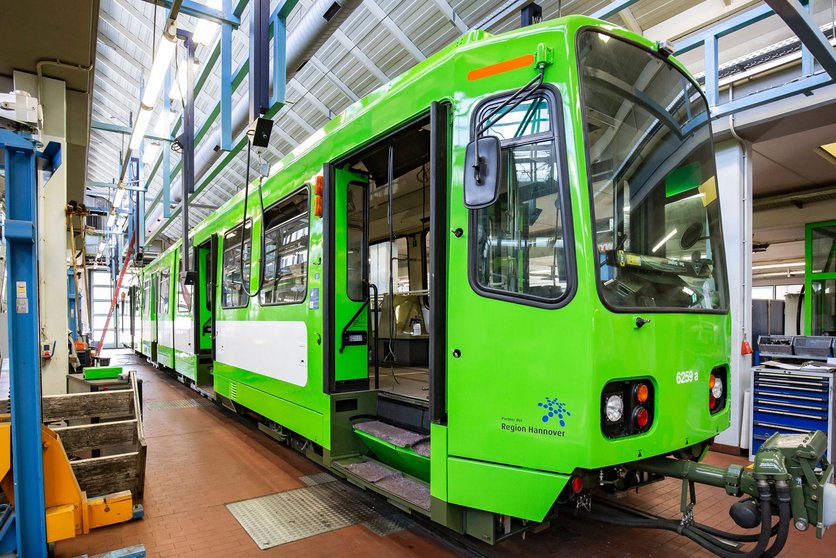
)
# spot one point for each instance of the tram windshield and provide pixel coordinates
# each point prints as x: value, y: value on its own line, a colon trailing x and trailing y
x: 652, y: 179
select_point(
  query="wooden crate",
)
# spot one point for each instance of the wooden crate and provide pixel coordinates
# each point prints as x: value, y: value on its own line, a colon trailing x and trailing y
x: 103, y: 438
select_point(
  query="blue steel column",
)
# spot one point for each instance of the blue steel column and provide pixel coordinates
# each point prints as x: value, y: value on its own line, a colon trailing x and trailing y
x: 24, y: 362
x: 166, y: 176
x: 226, y: 80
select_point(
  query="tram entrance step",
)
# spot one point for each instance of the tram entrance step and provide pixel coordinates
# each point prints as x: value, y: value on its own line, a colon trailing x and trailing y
x: 405, y: 412
x: 399, y: 488
x: 399, y: 448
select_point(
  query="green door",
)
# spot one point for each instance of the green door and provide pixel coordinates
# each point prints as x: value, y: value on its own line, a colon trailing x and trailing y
x: 351, y: 291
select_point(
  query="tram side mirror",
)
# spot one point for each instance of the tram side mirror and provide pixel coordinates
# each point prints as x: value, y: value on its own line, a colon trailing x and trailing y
x: 691, y: 236
x: 481, y: 172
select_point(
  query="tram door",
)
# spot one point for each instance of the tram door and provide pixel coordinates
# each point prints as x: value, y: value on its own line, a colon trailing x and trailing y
x: 204, y: 309
x: 351, y: 290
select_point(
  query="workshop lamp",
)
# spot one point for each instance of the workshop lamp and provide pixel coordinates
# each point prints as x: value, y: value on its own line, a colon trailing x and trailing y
x: 141, y: 124
x: 119, y: 197
x: 205, y: 32
x: 162, y: 62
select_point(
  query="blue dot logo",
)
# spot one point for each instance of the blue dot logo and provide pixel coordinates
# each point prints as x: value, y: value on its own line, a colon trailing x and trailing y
x: 554, y: 409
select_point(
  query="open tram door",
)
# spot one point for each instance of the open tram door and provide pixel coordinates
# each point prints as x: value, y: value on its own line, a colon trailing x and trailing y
x: 205, y: 257
x: 385, y: 234
x: 349, y: 297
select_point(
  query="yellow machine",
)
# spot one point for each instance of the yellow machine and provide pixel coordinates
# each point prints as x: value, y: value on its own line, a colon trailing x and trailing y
x: 69, y: 513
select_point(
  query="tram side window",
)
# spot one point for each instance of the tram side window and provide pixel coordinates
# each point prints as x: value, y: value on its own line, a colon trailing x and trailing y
x: 184, y: 298
x: 146, y: 299
x: 286, y: 251
x: 520, y: 245
x: 165, y: 289
x: 232, y: 289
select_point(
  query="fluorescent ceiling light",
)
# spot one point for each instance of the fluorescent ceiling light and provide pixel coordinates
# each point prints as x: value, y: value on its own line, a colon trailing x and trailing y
x: 664, y: 240
x: 162, y: 62
x: 828, y: 152
x: 119, y: 197
x: 174, y: 92
x: 778, y: 266
x: 206, y: 31
x: 141, y: 124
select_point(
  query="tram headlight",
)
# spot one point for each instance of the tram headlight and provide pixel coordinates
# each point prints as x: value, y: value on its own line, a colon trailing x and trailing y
x: 614, y: 408
x: 717, y: 388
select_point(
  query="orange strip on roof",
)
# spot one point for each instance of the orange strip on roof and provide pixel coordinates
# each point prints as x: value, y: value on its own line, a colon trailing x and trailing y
x: 500, y: 67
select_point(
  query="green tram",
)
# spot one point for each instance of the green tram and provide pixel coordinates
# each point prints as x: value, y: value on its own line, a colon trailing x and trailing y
x: 493, y: 284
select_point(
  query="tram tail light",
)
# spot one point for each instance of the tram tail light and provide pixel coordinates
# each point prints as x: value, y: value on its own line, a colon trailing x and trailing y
x: 577, y: 484
x: 627, y: 408
x: 641, y: 417
x: 717, y: 390
x: 642, y: 392
x: 317, y: 202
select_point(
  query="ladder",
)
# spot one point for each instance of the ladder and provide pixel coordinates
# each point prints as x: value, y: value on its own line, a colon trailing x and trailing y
x: 116, y: 294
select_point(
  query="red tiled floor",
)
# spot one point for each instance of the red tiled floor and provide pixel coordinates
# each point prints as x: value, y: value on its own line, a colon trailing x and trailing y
x: 200, y: 458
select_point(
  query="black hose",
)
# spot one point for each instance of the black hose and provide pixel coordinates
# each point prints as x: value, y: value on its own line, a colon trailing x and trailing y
x: 784, y: 519
x: 707, y: 537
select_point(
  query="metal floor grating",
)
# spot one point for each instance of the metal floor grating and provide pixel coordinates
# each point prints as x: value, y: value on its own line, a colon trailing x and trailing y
x: 297, y: 514
x: 318, y: 478
x: 177, y: 404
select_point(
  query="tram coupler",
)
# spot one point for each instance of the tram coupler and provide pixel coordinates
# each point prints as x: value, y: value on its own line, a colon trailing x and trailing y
x: 785, y: 465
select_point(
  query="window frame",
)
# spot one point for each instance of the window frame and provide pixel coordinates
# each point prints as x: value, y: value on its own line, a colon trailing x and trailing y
x: 304, y: 188
x: 557, y: 135
x: 228, y: 233
x: 164, y: 275
x: 725, y: 293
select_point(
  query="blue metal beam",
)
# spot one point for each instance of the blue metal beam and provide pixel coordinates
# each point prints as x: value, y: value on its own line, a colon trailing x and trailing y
x: 226, y: 81
x: 24, y: 342
x: 613, y: 8
x: 111, y: 186
x: 166, y: 176
x: 802, y: 86
x: 116, y: 128
x: 797, y: 19
x: 196, y: 9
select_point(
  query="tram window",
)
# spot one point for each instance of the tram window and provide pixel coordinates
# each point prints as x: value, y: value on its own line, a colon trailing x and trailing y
x: 355, y: 237
x: 286, y: 251
x: 146, y: 299
x: 184, y: 291
x: 184, y: 300
x: 652, y: 180
x: 520, y: 246
x: 165, y: 290
x: 232, y: 289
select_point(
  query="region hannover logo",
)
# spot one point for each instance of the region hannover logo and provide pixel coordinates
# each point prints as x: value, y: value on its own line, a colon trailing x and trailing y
x: 554, y: 409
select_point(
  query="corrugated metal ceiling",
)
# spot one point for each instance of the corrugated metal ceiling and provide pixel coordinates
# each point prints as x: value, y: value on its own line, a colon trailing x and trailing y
x: 380, y: 40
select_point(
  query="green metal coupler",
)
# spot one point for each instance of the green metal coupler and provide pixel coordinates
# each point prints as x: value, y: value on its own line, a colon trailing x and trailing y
x: 783, y: 460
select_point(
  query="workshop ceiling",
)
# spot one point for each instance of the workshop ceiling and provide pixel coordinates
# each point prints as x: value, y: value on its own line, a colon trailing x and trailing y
x: 380, y: 40
x: 56, y: 30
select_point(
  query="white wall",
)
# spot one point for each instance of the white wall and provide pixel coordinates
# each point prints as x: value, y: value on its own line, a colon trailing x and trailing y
x: 52, y: 235
x: 734, y: 177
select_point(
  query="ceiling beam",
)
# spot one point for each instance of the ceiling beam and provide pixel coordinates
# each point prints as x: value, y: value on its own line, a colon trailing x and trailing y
x: 358, y: 53
x: 345, y: 89
x: 125, y: 33
x: 396, y: 31
x: 451, y: 14
x: 796, y: 17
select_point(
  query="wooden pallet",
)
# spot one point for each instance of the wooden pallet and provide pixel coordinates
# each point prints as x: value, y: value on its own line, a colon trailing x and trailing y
x: 103, y: 438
